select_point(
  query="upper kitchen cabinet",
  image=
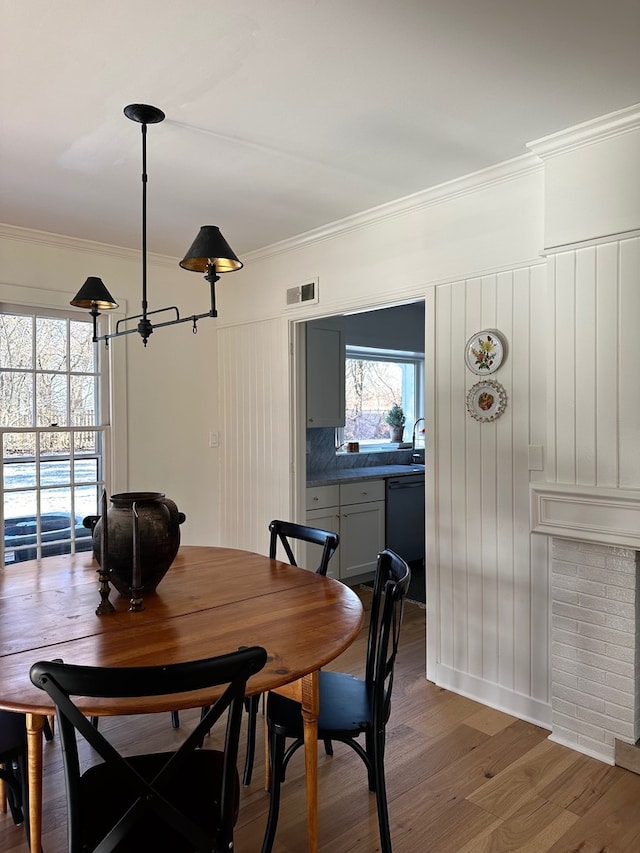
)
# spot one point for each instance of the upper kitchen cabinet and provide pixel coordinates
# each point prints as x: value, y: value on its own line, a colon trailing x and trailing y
x: 325, y: 341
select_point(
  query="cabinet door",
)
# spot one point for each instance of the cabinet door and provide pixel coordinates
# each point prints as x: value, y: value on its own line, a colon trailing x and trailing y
x: 327, y: 518
x: 325, y: 375
x: 361, y: 538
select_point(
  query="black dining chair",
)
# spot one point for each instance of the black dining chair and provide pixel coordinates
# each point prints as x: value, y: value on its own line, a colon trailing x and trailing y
x: 13, y: 764
x: 171, y: 802
x: 349, y: 707
x: 284, y: 534
x: 13, y: 754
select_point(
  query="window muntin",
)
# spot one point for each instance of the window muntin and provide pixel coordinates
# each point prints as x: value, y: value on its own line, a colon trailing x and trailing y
x: 51, y: 436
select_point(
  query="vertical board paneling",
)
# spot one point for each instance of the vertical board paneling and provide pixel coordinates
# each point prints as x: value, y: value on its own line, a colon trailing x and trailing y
x: 461, y: 600
x: 469, y: 536
x: 519, y: 362
x: 606, y: 368
x: 593, y: 420
x: 487, y: 495
x: 443, y: 405
x: 517, y: 406
x: 628, y: 379
x: 565, y: 368
x: 254, y: 448
x: 485, y: 545
x: 549, y: 366
x: 586, y: 357
x: 538, y: 581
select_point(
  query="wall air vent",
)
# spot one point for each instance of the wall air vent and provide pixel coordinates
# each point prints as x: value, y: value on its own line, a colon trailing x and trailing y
x: 306, y: 293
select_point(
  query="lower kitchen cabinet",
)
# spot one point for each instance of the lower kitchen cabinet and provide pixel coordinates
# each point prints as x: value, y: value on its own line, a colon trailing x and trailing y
x: 356, y: 512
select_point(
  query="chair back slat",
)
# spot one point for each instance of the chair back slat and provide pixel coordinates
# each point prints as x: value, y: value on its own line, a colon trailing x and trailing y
x: 150, y: 780
x: 390, y: 589
x: 284, y: 532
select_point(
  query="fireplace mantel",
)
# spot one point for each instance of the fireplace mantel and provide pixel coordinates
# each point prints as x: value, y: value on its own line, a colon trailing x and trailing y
x: 586, y: 513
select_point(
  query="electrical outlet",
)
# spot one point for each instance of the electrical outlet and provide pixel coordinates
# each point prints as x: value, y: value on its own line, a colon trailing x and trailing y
x: 214, y: 439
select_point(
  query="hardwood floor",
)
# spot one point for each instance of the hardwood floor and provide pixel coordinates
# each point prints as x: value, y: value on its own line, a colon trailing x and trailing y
x: 461, y: 778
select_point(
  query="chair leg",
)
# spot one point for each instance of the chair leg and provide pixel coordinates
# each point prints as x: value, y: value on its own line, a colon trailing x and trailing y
x: 13, y: 793
x: 251, y: 705
x: 24, y: 784
x: 48, y: 728
x: 371, y: 750
x: 175, y: 720
x: 381, y: 792
x: 276, y: 760
x: 328, y: 746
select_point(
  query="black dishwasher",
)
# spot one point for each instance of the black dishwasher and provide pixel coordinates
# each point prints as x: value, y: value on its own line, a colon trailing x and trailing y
x: 405, y: 518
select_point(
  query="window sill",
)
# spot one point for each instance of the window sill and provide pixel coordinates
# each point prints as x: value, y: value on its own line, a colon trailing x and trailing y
x: 382, y: 447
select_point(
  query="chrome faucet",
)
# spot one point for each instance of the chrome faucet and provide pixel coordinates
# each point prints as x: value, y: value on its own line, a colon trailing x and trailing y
x: 415, y: 456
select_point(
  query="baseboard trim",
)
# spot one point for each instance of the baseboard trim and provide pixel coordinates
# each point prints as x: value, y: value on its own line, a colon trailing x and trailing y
x: 495, y: 696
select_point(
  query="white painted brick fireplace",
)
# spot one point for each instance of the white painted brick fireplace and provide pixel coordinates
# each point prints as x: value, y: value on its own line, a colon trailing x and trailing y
x: 595, y: 618
x: 594, y: 651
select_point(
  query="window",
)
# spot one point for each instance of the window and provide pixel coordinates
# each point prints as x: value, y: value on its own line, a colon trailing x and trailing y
x: 51, y: 432
x: 375, y: 379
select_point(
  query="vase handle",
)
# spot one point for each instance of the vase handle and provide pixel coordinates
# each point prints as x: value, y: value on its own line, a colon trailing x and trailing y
x: 175, y: 516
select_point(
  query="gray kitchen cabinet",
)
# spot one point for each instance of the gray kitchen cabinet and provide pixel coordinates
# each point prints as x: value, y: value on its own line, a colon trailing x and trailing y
x: 325, y: 365
x: 361, y: 527
x: 356, y: 511
x: 323, y: 511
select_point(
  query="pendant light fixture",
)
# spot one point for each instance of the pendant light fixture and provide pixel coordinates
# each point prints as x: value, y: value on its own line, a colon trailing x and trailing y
x: 210, y: 253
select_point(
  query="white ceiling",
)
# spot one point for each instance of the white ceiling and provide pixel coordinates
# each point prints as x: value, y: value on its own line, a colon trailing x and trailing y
x: 284, y: 115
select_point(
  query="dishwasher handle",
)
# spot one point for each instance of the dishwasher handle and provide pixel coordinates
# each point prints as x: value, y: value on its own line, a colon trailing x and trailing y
x: 406, y: 483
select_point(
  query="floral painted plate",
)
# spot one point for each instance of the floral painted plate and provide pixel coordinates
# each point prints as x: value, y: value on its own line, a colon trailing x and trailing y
x: 484, y: 352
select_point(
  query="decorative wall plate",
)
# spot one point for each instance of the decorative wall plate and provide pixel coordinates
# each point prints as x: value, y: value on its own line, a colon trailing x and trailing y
x: 487, y: 400
x: 485, y: 352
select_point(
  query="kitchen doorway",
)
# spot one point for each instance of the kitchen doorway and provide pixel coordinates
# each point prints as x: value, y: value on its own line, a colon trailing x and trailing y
x: 393, y: 329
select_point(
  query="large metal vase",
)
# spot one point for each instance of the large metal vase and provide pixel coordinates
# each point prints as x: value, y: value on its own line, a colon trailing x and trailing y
x: 159, y: 531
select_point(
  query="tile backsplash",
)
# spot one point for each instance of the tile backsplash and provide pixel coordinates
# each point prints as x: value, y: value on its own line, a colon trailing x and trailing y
x: 322, y: 456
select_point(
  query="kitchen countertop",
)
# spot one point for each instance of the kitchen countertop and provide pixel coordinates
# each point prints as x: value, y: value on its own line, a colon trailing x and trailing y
x: 355, y: 475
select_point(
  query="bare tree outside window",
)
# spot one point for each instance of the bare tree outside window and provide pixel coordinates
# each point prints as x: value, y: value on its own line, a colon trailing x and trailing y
x: 371, y: 388
x: 374, y: 381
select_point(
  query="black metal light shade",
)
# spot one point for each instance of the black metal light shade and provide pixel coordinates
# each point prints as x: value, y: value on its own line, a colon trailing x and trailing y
x: 210, y: 251
x: 94, y: 294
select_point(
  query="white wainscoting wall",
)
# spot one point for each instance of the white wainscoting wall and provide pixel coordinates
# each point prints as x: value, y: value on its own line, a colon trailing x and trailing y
x: 255, y: 438
x: 490, y: 580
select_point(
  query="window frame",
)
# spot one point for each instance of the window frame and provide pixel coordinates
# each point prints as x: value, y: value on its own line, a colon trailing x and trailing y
x: 415, y: 393
x: 101, y: 428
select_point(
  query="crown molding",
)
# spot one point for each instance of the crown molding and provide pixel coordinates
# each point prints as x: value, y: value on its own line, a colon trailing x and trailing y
x: 75, y: 244
x: 508, y: 170
x: 587, y: 133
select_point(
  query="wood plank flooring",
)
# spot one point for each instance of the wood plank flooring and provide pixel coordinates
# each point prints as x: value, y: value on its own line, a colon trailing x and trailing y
x: 461, y: 778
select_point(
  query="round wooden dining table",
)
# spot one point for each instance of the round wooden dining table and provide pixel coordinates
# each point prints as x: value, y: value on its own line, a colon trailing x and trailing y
x: 211, y: 601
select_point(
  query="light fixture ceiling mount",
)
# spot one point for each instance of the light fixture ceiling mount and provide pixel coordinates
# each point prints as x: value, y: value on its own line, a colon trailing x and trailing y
x: 210, y: 253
